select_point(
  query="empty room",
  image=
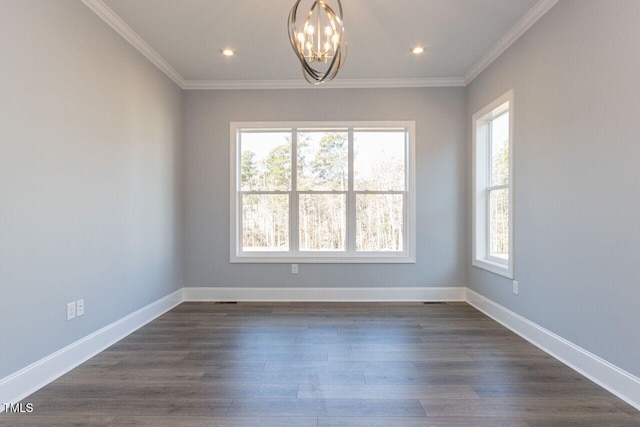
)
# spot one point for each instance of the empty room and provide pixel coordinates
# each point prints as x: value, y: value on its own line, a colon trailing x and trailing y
x: 320, y: 213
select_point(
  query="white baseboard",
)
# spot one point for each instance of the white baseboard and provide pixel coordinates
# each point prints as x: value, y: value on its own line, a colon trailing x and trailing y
x: 337, y: 294
x: 21, y: 384
x: 608, y: 376
x: 26, y: 381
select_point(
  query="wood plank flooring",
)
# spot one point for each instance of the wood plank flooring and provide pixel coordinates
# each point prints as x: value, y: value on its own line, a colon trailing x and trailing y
x: 324, y: 364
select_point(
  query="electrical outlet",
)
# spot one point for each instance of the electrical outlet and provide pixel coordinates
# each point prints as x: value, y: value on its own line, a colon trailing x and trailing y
x: 71, y: 310
x: 294, y: 268
x: 79, y: 307
x: 516, y: 290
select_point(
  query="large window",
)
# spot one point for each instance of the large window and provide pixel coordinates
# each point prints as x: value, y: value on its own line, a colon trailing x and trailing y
x: 322, y: 192
x: 493, y: 186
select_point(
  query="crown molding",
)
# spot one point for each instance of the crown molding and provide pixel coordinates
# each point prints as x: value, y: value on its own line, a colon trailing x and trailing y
x: 335, y: 84
x: 530, y: 18
x: 115, y: 22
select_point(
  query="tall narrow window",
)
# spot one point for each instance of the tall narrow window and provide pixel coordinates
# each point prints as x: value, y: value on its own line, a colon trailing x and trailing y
x: 322, y: 192
x: 493, y: 187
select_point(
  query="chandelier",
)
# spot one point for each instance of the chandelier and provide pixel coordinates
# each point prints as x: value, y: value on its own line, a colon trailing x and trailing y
x: 321, y: 42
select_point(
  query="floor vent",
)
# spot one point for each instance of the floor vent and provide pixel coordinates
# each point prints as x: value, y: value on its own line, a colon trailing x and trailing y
x: 434, y: 302
x: 227, y: 302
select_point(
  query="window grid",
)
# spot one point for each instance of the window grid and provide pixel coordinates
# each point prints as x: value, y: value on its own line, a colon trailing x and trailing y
x: 488, y: 188
x: 350, y: 253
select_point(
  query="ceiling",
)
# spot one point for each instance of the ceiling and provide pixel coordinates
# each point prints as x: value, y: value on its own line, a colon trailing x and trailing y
x: 184, y: 38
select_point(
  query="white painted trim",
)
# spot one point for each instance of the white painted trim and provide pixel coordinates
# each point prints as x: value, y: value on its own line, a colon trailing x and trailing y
x: 325, y: 294
x: 26, y: 381
x: 521, y: 27
x: 480, y: 185
x: 608, y: 376
x: 115, y: 22
x: 236, y: 255
x: 334, y: 84
x: 23, y: 383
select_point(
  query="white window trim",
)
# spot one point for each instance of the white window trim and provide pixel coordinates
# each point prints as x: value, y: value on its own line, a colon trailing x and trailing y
x: 480, y: 219
x: 405, y: 257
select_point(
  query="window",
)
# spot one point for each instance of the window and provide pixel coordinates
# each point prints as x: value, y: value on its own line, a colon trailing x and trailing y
x: 322, y: 192
x: 493, y: 186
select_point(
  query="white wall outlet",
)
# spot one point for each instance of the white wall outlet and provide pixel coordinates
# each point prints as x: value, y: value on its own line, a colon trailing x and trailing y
x: 516, y: 285
x: 294, y: 268
x: 71, y: 310
x: 79, y: 307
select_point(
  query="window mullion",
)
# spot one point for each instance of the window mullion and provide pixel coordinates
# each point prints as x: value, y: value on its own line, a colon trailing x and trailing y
x: 351, y: 198
x: 294, y: 211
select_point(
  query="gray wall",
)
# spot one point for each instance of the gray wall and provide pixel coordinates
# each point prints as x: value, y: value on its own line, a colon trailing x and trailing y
x: 577, y: 191
x: 89, y: 143
x: 441, y: 239
x: 91, y: 200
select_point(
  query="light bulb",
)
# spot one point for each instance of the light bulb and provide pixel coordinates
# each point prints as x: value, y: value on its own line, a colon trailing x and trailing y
x: 418, y: 50
x: 301, y: 37
x: 328, y: 31
x: 327, y: 46
x: 309, y: 45
x: 227, y: 52
x: 310, y: 29
x: 335, y: 39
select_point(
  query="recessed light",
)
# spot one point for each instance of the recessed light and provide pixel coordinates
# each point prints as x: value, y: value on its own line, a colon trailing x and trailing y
x: 417, y: 50
x: 227, y: 52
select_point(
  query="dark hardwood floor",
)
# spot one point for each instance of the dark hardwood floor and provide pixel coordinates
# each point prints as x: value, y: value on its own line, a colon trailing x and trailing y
x: 324, y: 364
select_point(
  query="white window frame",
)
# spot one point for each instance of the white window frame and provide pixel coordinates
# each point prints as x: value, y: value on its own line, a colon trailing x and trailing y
x: 350, y: 256
x: 482, y: 185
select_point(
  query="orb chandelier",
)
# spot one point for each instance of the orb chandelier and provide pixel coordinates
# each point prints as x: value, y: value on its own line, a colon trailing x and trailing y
x: 320, y: 42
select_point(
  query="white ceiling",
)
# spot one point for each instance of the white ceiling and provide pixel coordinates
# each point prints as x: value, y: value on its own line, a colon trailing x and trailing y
x: 184, y: 38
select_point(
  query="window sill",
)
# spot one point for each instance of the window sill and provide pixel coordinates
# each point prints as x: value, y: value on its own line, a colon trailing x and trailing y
x: 502, y: 269
x: 315, y: 259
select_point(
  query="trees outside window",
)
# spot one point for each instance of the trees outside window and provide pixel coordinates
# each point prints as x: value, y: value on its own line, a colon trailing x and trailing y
x: 349, y: 200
